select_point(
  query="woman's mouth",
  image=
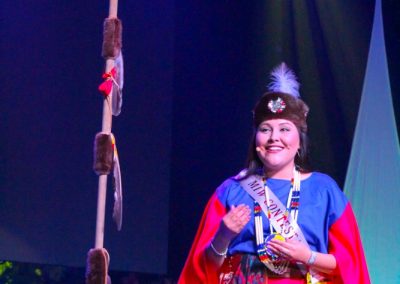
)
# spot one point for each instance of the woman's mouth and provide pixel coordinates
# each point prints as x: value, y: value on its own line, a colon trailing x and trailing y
x: 273, y: 148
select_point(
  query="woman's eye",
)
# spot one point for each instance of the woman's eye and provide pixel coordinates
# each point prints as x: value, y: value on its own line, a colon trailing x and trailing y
x: 285, y: 129
x: 264, y: 129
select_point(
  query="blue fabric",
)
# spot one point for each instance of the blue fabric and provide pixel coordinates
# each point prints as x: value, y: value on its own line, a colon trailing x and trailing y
x: 321, y: 204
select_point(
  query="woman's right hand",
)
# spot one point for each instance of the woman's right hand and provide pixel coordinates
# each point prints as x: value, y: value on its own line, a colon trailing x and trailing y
x: 231, y: 225
x: 234, y: 221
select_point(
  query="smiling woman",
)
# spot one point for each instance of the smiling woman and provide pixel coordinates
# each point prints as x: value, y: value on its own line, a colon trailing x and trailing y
x: 277, y: 142
x: 276, y: 221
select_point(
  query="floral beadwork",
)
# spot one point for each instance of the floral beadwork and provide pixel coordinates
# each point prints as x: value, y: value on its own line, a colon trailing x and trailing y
x: 276, y: 106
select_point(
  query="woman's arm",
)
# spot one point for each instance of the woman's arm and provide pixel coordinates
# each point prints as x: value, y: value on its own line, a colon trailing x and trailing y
x: 323, y: 262
x: 231, y: 225
x: 217, y: 249
x: 298, y: 252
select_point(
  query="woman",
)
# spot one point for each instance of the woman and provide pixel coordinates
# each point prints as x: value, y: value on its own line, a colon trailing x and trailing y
x: 276, y: 222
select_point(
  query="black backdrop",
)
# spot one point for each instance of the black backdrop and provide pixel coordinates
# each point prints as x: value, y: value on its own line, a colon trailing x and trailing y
x: 193, y: 73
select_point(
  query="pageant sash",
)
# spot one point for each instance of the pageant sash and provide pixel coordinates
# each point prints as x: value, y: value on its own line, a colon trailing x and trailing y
x: 289, y: 228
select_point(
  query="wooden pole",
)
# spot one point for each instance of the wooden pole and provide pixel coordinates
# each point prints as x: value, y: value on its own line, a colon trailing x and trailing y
x: 106, y: 128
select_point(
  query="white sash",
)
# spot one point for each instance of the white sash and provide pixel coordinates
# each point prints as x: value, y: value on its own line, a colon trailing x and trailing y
x: 291, y: 230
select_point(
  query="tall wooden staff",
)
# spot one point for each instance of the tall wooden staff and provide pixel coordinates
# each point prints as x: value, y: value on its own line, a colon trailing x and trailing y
x: 105, y: 152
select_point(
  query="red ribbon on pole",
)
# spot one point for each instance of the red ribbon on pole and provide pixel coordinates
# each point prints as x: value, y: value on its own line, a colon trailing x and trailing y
x: 109, y: 78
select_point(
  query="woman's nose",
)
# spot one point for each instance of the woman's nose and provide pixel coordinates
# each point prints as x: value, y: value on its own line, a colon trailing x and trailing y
x: 274, y: 136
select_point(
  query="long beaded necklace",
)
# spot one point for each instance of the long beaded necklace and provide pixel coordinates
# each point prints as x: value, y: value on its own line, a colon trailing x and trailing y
x: 266, y: 255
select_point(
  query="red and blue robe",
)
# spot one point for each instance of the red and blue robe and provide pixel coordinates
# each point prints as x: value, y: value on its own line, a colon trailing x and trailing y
x: 325, y: 218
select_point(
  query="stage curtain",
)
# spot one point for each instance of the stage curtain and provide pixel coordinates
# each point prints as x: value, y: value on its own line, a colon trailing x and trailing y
x: 373, y: 175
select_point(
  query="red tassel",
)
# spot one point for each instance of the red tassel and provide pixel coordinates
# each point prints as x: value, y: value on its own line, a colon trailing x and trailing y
x: 106, y: 87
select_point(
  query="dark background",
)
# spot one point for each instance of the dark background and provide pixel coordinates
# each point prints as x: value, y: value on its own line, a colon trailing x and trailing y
x: 51, y: 111
x: 193, y: 72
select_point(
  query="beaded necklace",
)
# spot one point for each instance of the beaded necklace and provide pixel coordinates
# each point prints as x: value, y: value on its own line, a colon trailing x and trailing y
x: 266, y: 255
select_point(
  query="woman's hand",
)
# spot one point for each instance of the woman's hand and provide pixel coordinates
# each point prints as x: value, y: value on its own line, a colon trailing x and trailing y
x: 234, y: 221
x: 292, y: 250
x: 298, y: 252
x: 231, y: 225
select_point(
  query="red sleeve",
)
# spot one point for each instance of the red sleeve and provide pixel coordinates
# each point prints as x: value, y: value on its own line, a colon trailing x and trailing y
x: 345, y: 244
x: 197, y: 269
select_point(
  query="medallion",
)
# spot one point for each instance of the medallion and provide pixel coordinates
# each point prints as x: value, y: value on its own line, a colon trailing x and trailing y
x: 270, y: 253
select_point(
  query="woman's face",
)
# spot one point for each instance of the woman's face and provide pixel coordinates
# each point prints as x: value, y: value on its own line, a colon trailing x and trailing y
x: 277, y: 142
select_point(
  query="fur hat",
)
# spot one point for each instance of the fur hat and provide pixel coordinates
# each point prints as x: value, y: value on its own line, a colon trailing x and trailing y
x: 283, y: 100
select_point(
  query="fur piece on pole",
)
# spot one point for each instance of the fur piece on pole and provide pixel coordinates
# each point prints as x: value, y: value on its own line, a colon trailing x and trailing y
x: 97, y: 267
x: 112, y: 38
x: 103, y: 154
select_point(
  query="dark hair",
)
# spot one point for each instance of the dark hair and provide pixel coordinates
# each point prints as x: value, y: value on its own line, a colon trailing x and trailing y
x: 254, y: 164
